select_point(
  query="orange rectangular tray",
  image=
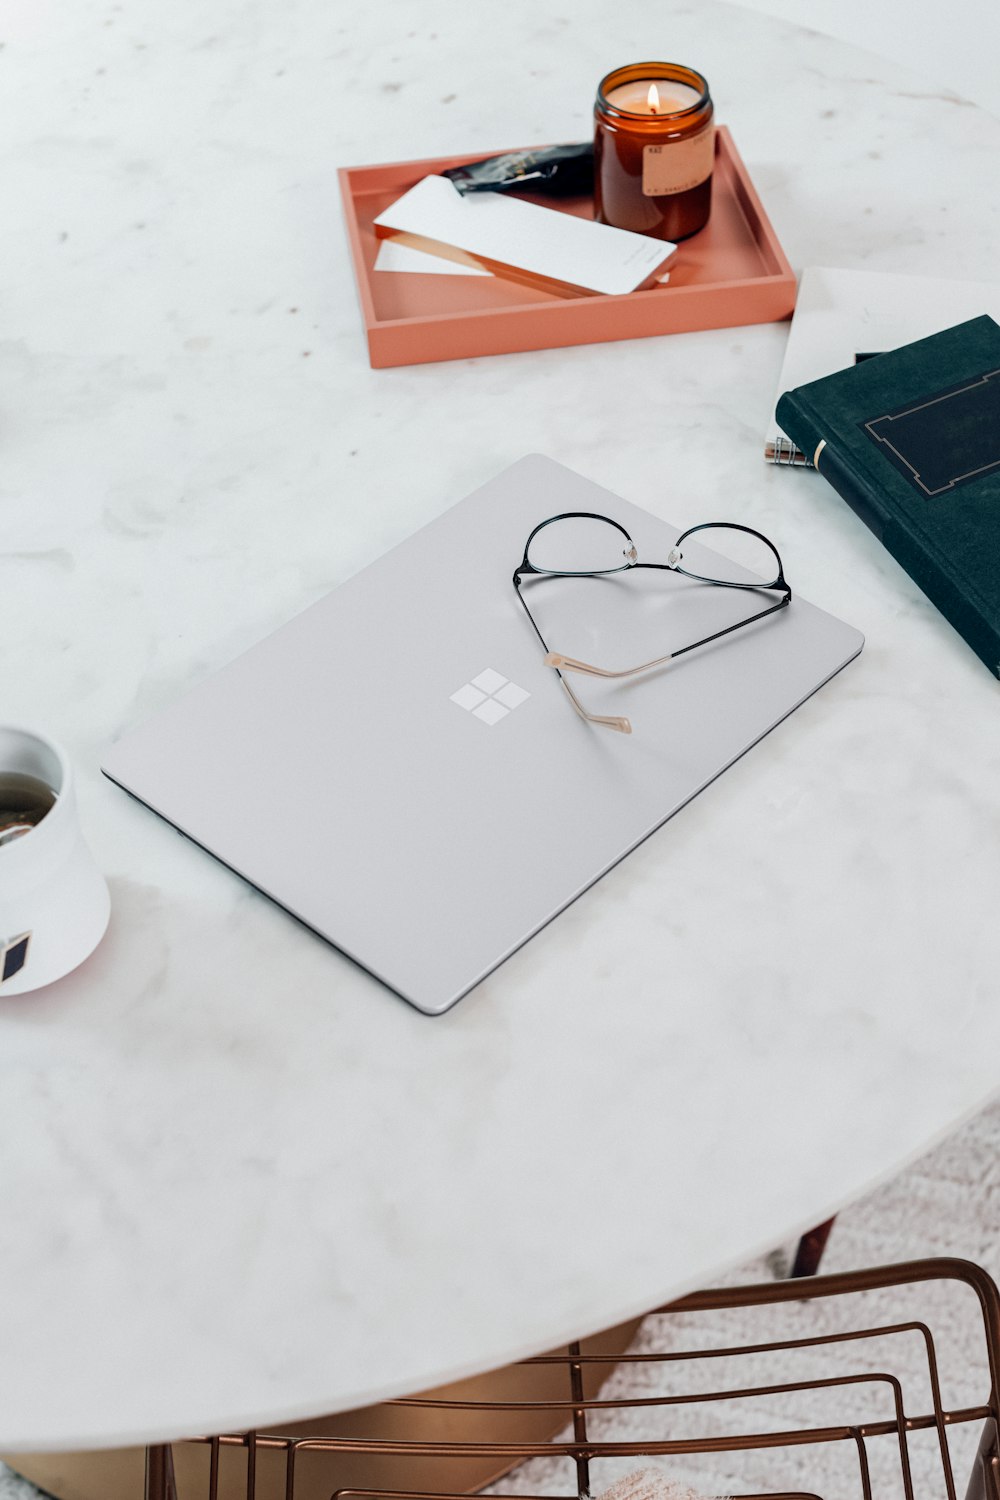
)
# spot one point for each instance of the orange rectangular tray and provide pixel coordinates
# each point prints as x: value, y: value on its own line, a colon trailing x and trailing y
x: 734, y: 271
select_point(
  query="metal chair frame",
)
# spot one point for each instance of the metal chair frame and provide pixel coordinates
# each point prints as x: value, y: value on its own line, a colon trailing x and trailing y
x: 583, y: 1448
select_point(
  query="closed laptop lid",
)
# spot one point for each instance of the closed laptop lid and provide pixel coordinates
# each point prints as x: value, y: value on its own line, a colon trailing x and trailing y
x: 448, y: 800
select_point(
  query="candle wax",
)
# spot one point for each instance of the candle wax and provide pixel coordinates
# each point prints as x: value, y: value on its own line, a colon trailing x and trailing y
x: 634, y: 97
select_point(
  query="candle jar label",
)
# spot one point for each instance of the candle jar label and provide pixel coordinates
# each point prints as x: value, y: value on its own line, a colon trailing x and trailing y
x: 677, y: 166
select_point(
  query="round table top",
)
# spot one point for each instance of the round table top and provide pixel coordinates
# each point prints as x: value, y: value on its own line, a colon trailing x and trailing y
x: 241, y: 1182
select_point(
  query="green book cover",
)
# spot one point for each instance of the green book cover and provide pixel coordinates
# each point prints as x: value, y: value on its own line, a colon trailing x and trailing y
x: 911, y: 440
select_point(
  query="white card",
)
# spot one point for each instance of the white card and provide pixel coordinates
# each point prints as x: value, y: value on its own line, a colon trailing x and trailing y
x: 392, y: 256
x: 507, y: 234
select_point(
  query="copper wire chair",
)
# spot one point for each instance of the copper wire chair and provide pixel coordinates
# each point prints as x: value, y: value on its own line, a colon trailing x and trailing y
x: 828, y: 1335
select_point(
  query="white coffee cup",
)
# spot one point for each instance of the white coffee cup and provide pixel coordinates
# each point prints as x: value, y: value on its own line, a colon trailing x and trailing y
x: 54, y: 902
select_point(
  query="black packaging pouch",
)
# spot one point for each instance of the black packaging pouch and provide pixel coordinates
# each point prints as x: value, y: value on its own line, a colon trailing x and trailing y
x: 557, y: 171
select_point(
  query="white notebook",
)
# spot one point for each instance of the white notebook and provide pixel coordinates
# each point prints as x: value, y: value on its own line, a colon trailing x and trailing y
x: 842, y: 316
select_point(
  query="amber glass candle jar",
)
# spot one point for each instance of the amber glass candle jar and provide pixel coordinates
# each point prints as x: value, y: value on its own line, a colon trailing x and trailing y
x: 654, y: 149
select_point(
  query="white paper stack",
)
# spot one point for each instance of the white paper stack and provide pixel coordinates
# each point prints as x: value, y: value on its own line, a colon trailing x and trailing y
x: 523, y: 241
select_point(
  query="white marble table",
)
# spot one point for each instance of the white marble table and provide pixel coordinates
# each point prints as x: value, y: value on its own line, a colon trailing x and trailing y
x: 240, y: 1181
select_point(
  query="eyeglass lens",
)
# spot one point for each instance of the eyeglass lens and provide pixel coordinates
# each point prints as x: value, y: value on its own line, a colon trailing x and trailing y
x: 579, y: 544
x: 717, y: 553
x: 734, y: 555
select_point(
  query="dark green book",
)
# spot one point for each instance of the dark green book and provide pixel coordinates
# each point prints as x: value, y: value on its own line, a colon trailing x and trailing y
x: 911, y: 440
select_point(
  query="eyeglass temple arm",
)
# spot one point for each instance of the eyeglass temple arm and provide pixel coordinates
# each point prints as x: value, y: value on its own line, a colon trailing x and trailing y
x: 524, y: 605
x: 571, y: 664
x: 611, y: 721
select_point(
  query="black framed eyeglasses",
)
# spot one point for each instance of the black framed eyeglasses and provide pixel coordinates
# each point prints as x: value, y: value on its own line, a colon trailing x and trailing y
x: 582, y: 544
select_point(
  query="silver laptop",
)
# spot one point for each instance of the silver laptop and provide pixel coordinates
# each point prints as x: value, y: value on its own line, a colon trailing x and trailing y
x: 454, y: 801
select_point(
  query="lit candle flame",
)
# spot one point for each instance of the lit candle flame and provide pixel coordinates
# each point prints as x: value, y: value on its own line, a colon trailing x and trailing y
x: 653, y: 98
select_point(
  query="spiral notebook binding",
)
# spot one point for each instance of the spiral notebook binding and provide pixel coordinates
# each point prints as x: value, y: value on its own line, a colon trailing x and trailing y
x: 783, y: 451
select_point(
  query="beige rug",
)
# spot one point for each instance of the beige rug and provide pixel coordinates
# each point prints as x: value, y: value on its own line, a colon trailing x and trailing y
x: 947, y: 1204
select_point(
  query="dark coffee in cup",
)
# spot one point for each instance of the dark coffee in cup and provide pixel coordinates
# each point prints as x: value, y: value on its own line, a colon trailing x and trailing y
x: 24, y: 801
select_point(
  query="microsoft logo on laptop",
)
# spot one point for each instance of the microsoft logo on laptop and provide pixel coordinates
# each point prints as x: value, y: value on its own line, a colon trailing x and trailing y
x: 490, y: 696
